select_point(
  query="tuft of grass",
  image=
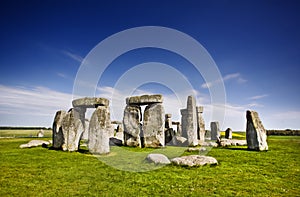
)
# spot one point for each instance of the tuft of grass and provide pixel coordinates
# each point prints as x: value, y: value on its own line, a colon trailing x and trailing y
x: 45, y: 172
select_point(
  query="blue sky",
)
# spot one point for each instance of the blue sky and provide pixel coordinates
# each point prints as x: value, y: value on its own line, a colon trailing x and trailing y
x: 255, y: 44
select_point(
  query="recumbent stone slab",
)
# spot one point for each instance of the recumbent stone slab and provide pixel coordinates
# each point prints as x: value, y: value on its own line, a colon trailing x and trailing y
x: 90, y: 102
x: 144, y: 99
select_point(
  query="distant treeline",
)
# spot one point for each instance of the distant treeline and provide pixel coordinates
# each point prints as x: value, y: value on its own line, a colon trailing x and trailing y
x: 24, y: 128
x: 283, y: 132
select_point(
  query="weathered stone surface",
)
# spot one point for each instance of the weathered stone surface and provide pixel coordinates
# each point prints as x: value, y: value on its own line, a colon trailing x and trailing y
x: 72, y: 130
x: 57, y: 134
x: 229, y: 142
x: 200, y: 124
x: 153, y: 126
x: 168, y: 121
x: 90, y: 102
x: 132, y: 126
x: 34, y: 143
x: 201, y: 149
x: 194, y: 160
x: 228, y: 133
x: 189, y: 122
x: 158, y: 159
x: 256, y: 134
x: 115, y: 141
x: 215, y: 131
x: 180, y: 141
x: 144, y: 99
x: 85, y: 134
x: 99, y: 131
x: 170, y: 137
x: 210, y: 144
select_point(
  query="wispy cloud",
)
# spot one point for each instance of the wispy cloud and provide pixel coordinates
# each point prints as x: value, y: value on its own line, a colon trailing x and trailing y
x: 73, y: 56
x: 228, y: 77
x: 258, y: 97
x: 34, y: 101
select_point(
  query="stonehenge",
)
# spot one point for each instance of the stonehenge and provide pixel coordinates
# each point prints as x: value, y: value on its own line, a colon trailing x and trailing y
x: 144, y: 124
x: 147, y: 129
x: 69, y: 128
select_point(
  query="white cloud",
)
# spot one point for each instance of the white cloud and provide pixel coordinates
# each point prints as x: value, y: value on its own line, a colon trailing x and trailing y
x: 37, y: 101
x: 36, y: 106
x: 73, y: 56
x: 258, y: 97
x: 228, y: 77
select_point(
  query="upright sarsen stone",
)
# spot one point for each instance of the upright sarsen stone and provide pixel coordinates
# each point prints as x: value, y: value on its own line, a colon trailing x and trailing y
x: 72, y: 129
x: 153, y: 125
x: 228, y: 133
x: 200, y: 124
x: 99, y: 131
x: 132, y: 126
x: 215, y: 130
x: 57, y: 133
x: 189, y: 122
x: 255, y: 132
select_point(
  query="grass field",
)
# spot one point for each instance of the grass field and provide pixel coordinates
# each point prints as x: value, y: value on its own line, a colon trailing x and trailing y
x: 45, y: 172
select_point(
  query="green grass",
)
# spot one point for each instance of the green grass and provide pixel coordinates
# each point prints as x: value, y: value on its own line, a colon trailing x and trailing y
x: 45, y: 172
x: 23, y: 133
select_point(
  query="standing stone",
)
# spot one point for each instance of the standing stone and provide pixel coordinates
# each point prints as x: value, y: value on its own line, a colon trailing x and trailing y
x: 179, y: 131
x: 189, y: 122
x: 72, y: 129
x: 184, y: 115
x: 153, y: 125
x: 85, y: 134
x: 132, y: 125
x: 255, y: 132
x: 80, y: 114
x: 200, y: 124
x: 169, y: 131
x: 57, y: 133
x: 228, y: 133
x: 99, y: 131
x: 215, y: 131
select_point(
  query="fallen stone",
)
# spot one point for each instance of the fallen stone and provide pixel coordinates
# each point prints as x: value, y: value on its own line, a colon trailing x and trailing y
x: 200, y: 149
x: 90, y: 102
x: 180, y: 141
x: 256, y: 134
x: 115, y: 142
x: 35, y: 143
x: 144, y: 99
x: 209, y: 144
x: 158, y: 159
x: 228, y: 142
x: 194, y: 160
x: 99, y: 131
